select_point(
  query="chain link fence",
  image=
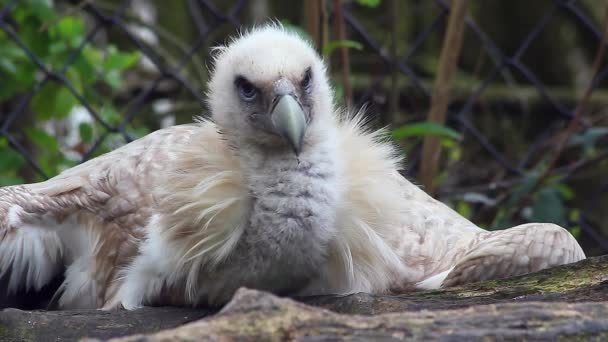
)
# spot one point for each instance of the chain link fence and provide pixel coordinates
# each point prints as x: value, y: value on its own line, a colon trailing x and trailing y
x: 501, y: 78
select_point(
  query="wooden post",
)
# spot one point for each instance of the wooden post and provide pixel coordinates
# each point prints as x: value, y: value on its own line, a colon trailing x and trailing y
x: 340, y: 34
x: 448, y: 64
x: 312, y: 16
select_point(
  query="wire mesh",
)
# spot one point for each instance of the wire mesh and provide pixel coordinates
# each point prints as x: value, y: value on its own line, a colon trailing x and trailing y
x: 210, y: 20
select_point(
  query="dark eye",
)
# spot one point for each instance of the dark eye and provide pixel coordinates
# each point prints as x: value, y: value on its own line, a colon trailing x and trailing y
x: 247, y: 91
x: 307, y: 81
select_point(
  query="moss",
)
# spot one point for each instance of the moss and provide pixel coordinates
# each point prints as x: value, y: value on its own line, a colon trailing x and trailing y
x: 602, y: 336
x: 562, y: 279
x: 20, y: 333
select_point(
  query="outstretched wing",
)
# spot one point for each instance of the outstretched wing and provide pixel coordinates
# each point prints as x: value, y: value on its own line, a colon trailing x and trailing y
x: 91, y: 216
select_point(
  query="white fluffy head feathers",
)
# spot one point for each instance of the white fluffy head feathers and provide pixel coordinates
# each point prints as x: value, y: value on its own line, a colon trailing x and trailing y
x: 269, y: 87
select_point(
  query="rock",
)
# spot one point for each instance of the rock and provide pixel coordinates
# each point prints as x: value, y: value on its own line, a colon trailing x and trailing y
x: 17, y: 325
x: 253, y: 316
x: 586, y: 280
x: 569, y: 302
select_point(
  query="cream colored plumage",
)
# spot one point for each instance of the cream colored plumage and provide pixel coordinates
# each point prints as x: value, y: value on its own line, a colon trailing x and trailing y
x: 279, y: 191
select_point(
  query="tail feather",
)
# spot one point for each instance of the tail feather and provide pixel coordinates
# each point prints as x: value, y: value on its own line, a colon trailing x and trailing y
x: 434, y: 282
x: 29, y: 256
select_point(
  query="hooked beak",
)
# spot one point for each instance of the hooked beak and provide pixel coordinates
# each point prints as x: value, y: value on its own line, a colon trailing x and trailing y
x: 289, y: 120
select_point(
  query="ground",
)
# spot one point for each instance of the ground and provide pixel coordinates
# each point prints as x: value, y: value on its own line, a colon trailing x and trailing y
x: 568, y: 302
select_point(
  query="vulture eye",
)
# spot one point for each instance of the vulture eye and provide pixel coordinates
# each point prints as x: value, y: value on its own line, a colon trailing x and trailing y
x: 247, y: 91
x: 307, y: 81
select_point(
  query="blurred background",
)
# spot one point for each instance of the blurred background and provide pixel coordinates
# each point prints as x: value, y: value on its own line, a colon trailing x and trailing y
x: 500, y: 107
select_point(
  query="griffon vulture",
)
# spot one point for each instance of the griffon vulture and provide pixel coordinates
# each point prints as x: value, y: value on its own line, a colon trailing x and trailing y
x: 279, y: 191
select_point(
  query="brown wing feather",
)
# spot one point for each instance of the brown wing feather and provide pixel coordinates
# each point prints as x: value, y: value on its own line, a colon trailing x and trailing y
x: 110, y: 197
x: 515, y: 251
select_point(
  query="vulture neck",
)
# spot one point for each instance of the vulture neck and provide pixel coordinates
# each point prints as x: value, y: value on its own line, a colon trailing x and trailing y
x: 292, y: 213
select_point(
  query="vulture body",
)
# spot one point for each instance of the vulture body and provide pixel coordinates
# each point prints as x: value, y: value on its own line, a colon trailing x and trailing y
x: 278, y: 191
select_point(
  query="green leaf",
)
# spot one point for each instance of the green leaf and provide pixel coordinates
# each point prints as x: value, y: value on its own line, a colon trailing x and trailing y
x: 119, y: 60
x: 86, y: 67
x: 423, y: 129
x: 574, y: 215
x: 523, y: 189
x: 42, y: 139
x: 8, y: 50
x: 10, y: 159
x: 86, y: 132
x: 549, y: 207
x: 57, y: 47
x: 477, y: 197
x: 64, y: 103
x: 464, y: 209
x: 41, y: 9
x: 369, y: 3
x: 329, y: 48
x: 37, y: 41
x: 588, y: 137
x: 7, y: 180
x: 8, y: 66
x: 575, y: 231
x: 92, y: 56
x: 110, y: 115
x: 113, y: 78
x: 53, y: 101
x: 69, y: 28
x: 115, y: 63
x: 566, y: 192
x: 43, y: 102
x: 138, y: 132
x: 454, y: 151
x: 501, y: 220
x: 74, y: 77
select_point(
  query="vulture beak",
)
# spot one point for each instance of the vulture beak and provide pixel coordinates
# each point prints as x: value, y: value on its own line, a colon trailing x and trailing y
x: 289, y: 120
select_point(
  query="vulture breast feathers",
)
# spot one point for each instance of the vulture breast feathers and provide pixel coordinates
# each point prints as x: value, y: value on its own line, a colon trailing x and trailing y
x: 278, y: 191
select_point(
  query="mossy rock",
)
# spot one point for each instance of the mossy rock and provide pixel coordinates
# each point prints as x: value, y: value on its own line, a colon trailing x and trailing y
x: 568, y: 302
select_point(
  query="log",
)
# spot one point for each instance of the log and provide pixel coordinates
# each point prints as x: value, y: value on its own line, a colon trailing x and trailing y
x: 566, y: 302
x: 72, y: 325
x: 258, y: 316
x: 586, y: 280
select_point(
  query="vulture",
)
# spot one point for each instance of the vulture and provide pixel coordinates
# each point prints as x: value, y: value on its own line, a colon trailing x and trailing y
x: 277, y: 190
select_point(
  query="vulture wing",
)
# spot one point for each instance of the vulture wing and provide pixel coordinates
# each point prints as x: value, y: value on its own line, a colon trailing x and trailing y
x: 393, y: 235
x: 90, y: 217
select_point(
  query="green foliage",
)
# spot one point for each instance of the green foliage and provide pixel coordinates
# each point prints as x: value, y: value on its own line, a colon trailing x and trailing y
x: 588, y: 139
x: 95, y: 75
x: 545, y: 202
x: 85, y: 131
x: 331, y: 46
x: 423, y: 129
x: 10, y: 163
x: 548, y: 206
x: 369, y: 3
x: 464, y: 209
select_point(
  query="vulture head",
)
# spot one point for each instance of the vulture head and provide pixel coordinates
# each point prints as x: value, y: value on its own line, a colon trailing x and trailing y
x: 269, y: 90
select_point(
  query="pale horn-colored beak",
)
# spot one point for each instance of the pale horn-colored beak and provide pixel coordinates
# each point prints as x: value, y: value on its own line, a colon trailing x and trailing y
x: 289, y: 120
